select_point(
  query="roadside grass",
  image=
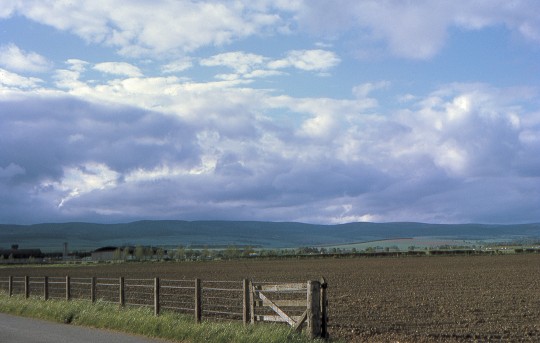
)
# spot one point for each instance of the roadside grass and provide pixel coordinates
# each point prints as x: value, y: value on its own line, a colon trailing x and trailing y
x: 141, y: 321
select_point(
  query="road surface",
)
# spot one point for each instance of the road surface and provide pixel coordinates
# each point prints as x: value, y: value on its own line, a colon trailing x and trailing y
x: 15, y: 329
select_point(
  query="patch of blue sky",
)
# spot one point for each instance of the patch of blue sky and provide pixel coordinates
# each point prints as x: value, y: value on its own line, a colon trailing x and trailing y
x: 55, y: 45
x: 491, y: 55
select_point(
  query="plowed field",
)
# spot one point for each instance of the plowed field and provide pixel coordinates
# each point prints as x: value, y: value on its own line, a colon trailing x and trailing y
x: 408, y: 299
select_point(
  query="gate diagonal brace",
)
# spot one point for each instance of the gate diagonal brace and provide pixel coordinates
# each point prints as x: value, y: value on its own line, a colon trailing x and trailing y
x: 276, y: 309
x: 300, y: 321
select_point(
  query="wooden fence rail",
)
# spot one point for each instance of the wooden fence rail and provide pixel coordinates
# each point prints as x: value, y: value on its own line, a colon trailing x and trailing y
x: 297, y: 304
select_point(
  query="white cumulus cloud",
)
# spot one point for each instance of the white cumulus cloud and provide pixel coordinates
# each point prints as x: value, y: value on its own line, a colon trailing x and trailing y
x: 414, y: 29
x: 155, y: 28
x: 119, y: 68
x: 178, y: 65
x: 15, y: 81
x: 239, y: 61
x: 13, y: 58
x: 309, y: 60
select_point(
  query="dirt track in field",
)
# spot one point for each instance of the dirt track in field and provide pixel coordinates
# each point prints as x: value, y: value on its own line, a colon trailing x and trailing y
x: 407, y: 299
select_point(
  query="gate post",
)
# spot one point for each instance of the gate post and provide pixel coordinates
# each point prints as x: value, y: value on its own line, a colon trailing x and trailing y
x: 10, y: 287
x: 26, y: 287
x: 245, y: 301
x: 252, y: 317
x: 198, y: 301
x: 314, y: 309
x: 68, y: 288
x: 46, y: 287
x: 156, y: 296
x: 122, y: 292
x: 324, y: 308
x: 93, y: 289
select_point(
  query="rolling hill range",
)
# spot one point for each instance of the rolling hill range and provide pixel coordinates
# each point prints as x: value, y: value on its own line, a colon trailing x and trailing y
x: 171, y: 233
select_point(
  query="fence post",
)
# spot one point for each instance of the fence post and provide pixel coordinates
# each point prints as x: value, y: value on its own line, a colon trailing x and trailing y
x: 10, y: 286
x: 245, y: 302
x: 68, y: 288
x: 46, y: 287
x: 93, y: 289
x: 324, y: 308
x: 156, y: 296
x: 122, y: 293
x: 198, y: 301
x: 313, y: 310
x: 26, y: 287
x: 252, y: 318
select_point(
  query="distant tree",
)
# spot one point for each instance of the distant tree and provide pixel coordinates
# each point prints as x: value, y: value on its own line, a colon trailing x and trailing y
x: 160, y: 253
x: 231, y: 252
x: 139, y: 253
x: 205, y: 253
x: 126, y: 254
x: 287, y: 252
x: 180, y: 253
x: 117, y: 256
x: 248, y: 251
x: 148, y: 253
x: 268, y: 252
x: 190, y: 253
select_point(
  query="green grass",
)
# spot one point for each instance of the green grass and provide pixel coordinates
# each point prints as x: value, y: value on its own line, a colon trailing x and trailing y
x: 141, y: 321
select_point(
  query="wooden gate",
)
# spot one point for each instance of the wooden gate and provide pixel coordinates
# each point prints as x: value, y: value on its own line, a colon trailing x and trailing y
x: 297, y: 304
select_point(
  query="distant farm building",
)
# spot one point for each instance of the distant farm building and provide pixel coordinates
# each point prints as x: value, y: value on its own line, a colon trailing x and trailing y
x: 20, y: 254
x: 104, y: 254
x: 110, y: 253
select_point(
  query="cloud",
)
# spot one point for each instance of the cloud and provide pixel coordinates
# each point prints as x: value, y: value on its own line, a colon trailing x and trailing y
x: 164, y: 147
x: 118, y: 68
x: 131, y: 138
x: 467, y: 129
x: 11, y: 170
x: 247, y: 65
x: 7, y: 8
x: 13, y: 58
x: 363, y: 90
x: 177, y: 66
x: 416, y: 30
x: 15, y: 81
x: 172, y: 26
x: 239, y: 61
x: 309, y: 60
x: 151, y: 138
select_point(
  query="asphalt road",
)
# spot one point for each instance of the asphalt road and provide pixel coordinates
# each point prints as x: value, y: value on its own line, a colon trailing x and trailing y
x: 26, y: 330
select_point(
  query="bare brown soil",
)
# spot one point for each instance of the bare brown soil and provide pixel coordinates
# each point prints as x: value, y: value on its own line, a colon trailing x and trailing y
x: 408, y: 299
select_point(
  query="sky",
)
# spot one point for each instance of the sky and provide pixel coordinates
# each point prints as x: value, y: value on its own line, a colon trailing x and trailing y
x: 276, y: 110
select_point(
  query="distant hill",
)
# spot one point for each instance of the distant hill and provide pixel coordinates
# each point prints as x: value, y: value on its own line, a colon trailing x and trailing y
x: 171, y: 233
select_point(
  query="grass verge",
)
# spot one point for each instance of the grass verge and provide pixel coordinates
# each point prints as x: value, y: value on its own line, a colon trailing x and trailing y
x: 141, y: 321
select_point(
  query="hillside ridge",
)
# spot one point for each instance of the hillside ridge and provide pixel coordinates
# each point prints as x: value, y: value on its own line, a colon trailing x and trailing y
x: 83, y: 235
